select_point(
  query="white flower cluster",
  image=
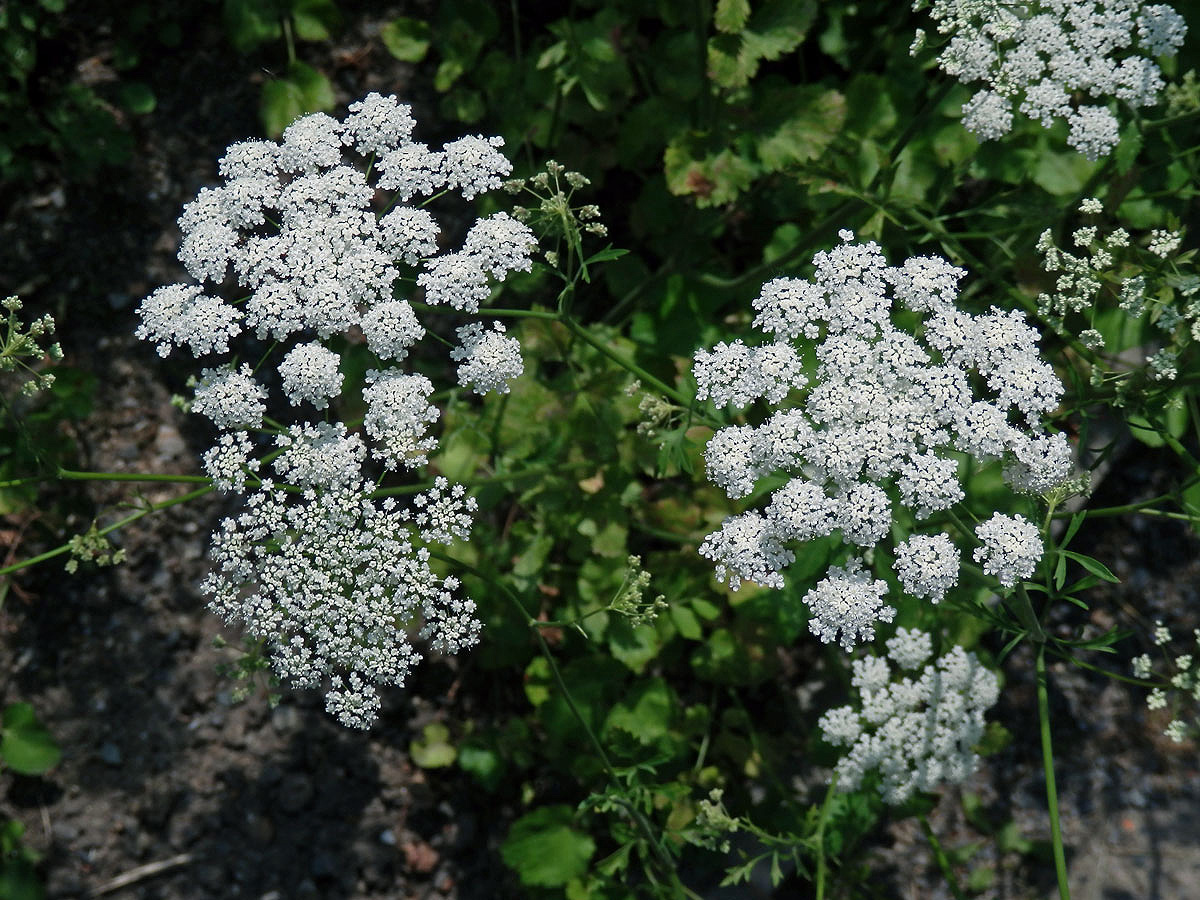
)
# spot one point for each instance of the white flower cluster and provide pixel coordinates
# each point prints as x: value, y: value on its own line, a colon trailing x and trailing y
x: 1038, y: 57
x: 334, y: 577
x: 876, y: 424
x: 917, y: 731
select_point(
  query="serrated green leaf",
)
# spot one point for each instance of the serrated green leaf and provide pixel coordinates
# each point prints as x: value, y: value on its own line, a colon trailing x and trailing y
x: 712, y: 179
x: 645, y: 713
x: 25, y: 744
x: 685, y: 621
x: 731, y: 15
x: 811, y: 119
x: 406, y: 38
x: 545, y: 849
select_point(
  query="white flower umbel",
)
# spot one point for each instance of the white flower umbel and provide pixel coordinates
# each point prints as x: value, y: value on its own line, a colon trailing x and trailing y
x: 487, y: 359
x: 310, y: 372
x: 1011, y: 547
x: 334, y: 578
x: 916, y: 729
x: 1047, y: 58
x: 873, y: 434
x: 338, y: 580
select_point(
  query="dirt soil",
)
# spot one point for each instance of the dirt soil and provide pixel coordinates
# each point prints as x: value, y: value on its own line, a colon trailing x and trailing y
x: 169, y: 790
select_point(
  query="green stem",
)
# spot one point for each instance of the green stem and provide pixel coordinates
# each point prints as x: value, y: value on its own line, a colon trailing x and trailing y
x: 1060, y: 859
x: 121, y: 523
x: 405, y: 489
x: 943, y: 861
x: 822, y: 864
x: 69, y: 475
x: 662, y: 387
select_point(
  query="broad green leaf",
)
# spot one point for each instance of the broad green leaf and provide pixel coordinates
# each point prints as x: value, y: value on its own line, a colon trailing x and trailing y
x: 406, y: 38
x: 433, y: 749
x: 545, y: 849
x: 685, y: 621
x: 633, y: 646
x: 25, y: 744
x: 250, y: 23
x: 538, y: 679
x: 281, y: 104
x: 315, y: 20
x: 314, y: 87
x: 712, y: 178
x: 807, y: 120
x: 645, y: 713
x: 1062, y: 174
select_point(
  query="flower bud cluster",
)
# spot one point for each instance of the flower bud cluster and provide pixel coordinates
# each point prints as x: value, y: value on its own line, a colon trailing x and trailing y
x: 913, y: 723
x: 1146, y: 277
x: 872, y: 420
x: 1038, y: 58
x: 24, y: 342
x: 318, y: 236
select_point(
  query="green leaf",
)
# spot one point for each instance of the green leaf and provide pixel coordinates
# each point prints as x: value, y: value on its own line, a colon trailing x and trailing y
x: 713, y: 178
x: 731, y: 15
x: 302, y: 90
x: 807, y: 119
x: 1129, y: 147
x: 315, y: 20
x: 1076, y: 521
x: 685, y: 621
x: 136, y: 97
x: 25, y: 744
x: 606, y: 254
x: 545, y: 850
x: 645, y: 713
x: 538, y: 679
x: 1094, y: 566
x: 1063, y: 174
x: 406, y: 38
x: 483, y: 762
x: 314, y: 87
x: 433, y: 749
x: 250, y: 23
